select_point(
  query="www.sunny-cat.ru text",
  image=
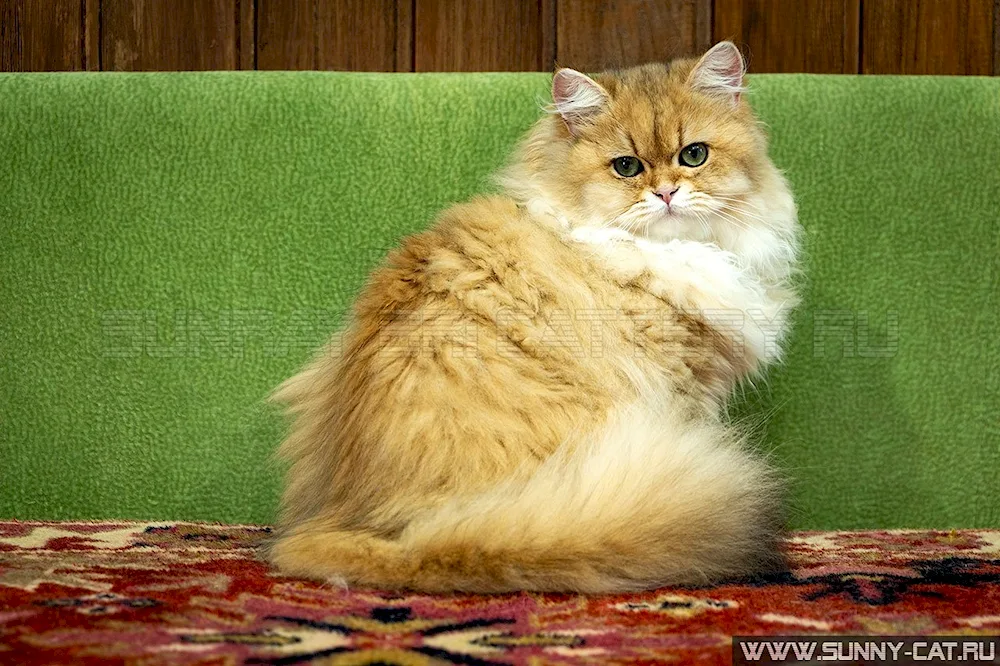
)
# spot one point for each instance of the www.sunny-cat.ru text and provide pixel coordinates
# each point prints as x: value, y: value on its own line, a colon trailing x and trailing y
x: 237, y: 333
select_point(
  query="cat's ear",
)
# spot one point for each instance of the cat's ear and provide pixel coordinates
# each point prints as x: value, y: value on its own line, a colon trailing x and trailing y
x: 577, y: 98
x: 720, y: 72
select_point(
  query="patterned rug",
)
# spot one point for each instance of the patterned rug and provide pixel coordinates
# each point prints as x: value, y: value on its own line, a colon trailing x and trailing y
x: 183, y: 593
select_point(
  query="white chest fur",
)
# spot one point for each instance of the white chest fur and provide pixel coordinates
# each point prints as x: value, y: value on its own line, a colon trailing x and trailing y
x: 702, y: 279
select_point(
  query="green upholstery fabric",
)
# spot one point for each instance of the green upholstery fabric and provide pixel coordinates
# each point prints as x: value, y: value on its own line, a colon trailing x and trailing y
x: 174, y: 245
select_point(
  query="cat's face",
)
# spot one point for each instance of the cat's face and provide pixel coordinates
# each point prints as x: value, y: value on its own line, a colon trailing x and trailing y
x: 662, y: 151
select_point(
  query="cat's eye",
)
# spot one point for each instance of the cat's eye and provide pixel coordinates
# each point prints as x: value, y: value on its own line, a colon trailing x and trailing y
x: 693, y: 155
x: 627, y: 166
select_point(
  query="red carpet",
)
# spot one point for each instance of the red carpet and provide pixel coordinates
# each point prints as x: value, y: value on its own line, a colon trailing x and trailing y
x: 182, y: 593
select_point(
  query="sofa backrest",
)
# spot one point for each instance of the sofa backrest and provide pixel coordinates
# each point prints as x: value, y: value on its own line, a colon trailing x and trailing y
x: 173, y: 245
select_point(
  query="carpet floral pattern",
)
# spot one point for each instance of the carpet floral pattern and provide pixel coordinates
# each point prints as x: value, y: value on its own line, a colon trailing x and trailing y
x: 186, y: 593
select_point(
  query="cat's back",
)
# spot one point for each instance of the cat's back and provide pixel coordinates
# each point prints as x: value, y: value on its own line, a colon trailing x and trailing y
x: 478, y: 290
x: 450, y: 364
x: 479, y: 248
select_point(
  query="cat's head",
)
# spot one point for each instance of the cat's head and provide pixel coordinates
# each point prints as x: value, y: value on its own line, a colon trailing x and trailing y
x: 659, y: 150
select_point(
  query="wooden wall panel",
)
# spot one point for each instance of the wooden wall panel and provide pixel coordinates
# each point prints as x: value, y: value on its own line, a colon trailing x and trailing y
x: 41, y: 36
x: 996, y: 38
x: 352, y: 35
x: 405, y: 30
x: 176, y: 35
x: 602, y: 34
x: 286, y: 34
x: 792, y: 35
x: 358, y: 35
x: 246, y: 33
x: 488, y: 35
x: 92, y: 35
x: 928, y: 37
x: 842, y: 36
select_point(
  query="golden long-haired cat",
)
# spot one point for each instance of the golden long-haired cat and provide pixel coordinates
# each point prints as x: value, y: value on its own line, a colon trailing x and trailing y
x: 529, y: 394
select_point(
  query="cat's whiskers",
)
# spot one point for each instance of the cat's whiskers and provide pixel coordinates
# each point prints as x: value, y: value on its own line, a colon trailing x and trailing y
x: 742, y: 224
x: 703, y: 221
x: 625, y: 216
x: 736, y: 200
x: 733, y: 205
x: 637, y: 215
x: 744, y: 213
x: 731, y: 213
x: 625, y: 220
x: 741, y: 206
x: 716, y: 207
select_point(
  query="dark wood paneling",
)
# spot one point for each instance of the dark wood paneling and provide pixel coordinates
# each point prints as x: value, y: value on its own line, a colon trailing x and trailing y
x: 246, y: 46
x: 41, y: 36
x: 92, y: 35
x: 353, y: 35
x: 286, y: 34
x: 404, y: 35
x: 996, y: 38
x: 138, y: 35
x: 358, y: 35
x: 601, y: 34
x: 792, y: 35
x: 489, y: 35
x: 547, y: 12
x: 869, y: 36
x: 928, y: 37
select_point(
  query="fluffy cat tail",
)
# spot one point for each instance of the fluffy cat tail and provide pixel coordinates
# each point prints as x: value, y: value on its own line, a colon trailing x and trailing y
x: 652, y: 500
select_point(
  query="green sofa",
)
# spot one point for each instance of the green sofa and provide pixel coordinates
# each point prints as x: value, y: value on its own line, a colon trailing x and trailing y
x: 174, y: 245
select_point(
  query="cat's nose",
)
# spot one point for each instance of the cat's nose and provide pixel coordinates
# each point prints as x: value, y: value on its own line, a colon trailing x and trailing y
x: 666, y: 193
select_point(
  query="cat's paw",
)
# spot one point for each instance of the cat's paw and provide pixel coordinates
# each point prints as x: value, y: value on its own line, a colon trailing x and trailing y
x: 696, y: 275
x: 338, y: 582
x: 542, y: 210
x: 600, y: 236
x: 712, y: 284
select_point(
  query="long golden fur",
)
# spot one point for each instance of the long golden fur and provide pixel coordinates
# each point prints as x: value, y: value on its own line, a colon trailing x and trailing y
x: 529, y: 394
